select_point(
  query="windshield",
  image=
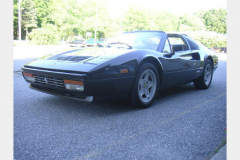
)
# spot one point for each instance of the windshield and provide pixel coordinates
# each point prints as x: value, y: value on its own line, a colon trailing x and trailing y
x: 138, y: 40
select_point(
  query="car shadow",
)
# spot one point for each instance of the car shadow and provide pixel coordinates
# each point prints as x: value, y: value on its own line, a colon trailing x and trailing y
x: 93, y: 109
x: 111, y: 107
x: 177, y: 90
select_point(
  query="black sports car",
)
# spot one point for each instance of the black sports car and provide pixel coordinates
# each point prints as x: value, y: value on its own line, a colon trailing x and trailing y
x: 135, y: 66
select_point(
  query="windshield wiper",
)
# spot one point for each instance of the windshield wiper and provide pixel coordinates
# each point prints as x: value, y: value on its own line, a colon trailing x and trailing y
x: 129, y: 47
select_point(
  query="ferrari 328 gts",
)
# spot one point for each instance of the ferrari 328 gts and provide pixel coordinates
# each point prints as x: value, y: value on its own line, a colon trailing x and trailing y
x: 134, y: 65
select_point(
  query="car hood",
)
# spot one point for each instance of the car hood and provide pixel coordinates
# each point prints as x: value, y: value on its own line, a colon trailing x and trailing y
x: 81, y: 60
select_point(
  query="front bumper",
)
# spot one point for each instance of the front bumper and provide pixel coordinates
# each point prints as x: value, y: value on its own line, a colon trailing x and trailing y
x: 95, y: 89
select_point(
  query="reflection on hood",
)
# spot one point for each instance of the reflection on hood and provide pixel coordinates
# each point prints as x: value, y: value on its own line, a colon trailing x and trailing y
x: 88, y: 55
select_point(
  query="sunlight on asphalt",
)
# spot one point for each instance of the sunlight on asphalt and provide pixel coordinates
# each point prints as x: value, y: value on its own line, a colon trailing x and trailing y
x: 97, y: 151
x: 222, y: 56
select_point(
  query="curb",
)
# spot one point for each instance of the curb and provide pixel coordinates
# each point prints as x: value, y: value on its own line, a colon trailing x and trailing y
x: 221, y: 154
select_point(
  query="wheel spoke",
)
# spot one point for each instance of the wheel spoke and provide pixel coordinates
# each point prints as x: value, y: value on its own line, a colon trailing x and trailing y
x: 150, y: 84
x: 142, y: 93
x: 147, y: 93
x: 146, y: 77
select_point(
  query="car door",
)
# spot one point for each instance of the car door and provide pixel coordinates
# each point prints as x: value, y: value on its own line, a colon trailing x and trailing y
x: 195, y: 49
x: 180, y: 64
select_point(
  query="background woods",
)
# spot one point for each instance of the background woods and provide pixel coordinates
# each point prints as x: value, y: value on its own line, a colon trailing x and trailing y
x: 51, y: 21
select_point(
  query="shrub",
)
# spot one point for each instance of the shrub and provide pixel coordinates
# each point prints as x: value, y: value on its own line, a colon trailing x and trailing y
x: 46, y: 35
x: 209, y: 39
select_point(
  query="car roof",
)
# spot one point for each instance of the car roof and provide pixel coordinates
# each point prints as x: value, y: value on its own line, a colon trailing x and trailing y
x: 176, y: 33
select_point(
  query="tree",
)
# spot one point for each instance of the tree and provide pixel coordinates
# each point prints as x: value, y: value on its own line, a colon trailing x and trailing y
x: 191, y: 23
x: 135, y: 19
x: 15, y: 18
x: 165, y: 21
x: 209, y: 39
x: 47, y: 34
x: 29, y: 15
x: 214, y: 20
x: 43, y: 10
x: 200, y: 14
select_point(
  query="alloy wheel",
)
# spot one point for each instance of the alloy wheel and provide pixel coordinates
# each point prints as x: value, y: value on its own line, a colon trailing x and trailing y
x: 147, y: 85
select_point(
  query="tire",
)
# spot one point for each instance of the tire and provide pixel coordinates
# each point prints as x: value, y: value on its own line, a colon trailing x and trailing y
x: 145, y: 87
x: 205, y: 80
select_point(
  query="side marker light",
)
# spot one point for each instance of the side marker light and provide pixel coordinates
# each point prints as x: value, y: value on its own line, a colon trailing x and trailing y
x: 124, y: 71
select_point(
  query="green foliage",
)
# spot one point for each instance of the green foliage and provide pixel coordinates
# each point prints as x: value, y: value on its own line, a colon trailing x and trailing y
x: 68, y: 18
x: 43, y: 11
x: 29, y: 14
x: 48, y: 34
x: 15, y: 13
x: 166, y: 21
x: 15, y: 17
x: 209, y: 39
x: 191, y: 23
x: 135, y: 19
x: 214, y: 20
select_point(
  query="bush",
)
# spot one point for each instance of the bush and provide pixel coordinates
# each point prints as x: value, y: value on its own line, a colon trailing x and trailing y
x: 47, y: 35
x: 209, y: 39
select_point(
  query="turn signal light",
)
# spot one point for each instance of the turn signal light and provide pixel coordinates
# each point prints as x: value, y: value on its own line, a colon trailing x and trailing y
x: 27, y: 74
x: 124, y: 71
x: 28, y: 77
x: 73, y: 82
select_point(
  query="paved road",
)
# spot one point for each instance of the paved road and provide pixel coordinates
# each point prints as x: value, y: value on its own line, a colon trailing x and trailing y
x: 183, y: 123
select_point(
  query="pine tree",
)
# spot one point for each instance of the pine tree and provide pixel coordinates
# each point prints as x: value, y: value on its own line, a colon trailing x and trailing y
x: 29, y: 18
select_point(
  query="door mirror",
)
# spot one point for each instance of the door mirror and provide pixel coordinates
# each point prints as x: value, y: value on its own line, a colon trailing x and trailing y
x: 168, y: 55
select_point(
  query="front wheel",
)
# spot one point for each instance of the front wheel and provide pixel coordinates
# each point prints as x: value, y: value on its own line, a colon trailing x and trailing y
x: 205, y: 80
x: 145, y: 87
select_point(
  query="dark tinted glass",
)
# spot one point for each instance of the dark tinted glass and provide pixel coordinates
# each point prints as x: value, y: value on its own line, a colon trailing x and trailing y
x: 191, y: 42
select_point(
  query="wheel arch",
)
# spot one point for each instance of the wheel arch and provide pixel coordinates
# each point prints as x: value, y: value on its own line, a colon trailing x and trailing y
x: 155, y: 62
x: 210, y: 58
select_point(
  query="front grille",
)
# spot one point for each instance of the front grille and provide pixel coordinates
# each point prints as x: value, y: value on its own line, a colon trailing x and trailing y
x: 49, y: 81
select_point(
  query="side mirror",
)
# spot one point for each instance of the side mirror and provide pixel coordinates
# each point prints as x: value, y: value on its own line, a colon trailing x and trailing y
x: 168, y: 55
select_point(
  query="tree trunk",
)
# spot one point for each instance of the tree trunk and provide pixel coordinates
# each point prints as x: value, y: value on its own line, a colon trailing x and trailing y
x: 26, y: 34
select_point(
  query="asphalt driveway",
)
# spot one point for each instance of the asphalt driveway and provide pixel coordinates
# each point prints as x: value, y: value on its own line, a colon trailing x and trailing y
x: 183, y: 123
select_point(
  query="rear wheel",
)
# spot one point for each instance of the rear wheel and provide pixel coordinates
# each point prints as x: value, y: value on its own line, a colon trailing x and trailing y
x: 145, y: 87
x: 205, y: 80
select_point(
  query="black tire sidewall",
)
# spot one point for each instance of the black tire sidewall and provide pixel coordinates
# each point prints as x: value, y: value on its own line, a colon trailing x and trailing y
x: 200, y: 83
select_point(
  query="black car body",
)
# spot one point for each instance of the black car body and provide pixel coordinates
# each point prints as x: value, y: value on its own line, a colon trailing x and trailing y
x: 136, y: 65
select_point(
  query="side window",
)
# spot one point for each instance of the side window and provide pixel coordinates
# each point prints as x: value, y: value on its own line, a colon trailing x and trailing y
x: 167, y: 47
x: 177, y: 44
x: 192, y: 44
x: 175, y: 40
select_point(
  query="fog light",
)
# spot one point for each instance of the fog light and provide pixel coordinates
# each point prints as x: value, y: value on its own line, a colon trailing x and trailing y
x: 28, y: 77
x: 74, y: 85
